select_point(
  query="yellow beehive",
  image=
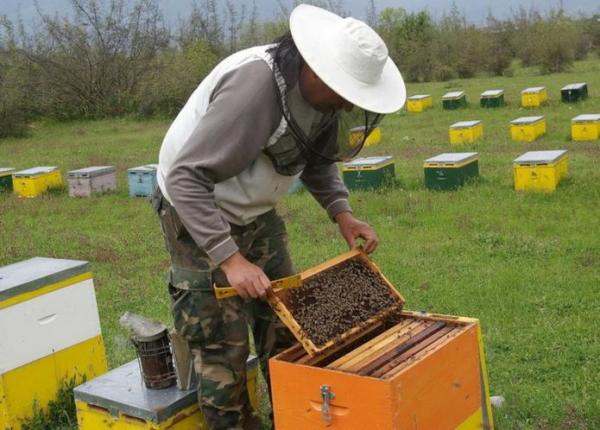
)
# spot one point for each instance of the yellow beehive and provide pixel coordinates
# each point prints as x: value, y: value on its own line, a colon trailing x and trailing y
x: 533, y: 97
x: 357, y: 134
x: 540, y: 170
x: 527, y: 128
x: 585, y: 127
x: 465, y: 132
x: 419, y: 103
x: 118, y: 400
x: 50, y: 333
x: 35, y: 181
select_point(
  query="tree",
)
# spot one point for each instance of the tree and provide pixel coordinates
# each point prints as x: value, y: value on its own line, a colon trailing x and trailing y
x: 92, y: 64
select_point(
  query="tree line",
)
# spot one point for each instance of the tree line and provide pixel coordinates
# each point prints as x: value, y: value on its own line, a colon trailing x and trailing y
x: 119, y: 57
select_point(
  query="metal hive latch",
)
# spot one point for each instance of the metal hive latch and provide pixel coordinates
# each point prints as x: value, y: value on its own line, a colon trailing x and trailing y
x: 327, y: 395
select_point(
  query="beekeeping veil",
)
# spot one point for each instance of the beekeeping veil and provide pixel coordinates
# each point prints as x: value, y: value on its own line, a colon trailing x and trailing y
x: 352, y: 60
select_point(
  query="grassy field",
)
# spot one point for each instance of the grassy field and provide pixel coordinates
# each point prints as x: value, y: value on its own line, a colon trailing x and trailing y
x: 527, y: 265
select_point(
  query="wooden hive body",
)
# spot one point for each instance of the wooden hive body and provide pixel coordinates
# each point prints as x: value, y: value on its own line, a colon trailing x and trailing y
x: 585, y: 127
x: 142, y: 180
x: 398, y: 370
x: 534, y: 97
x: 440, y: 383
x: 35, y: 181
x: 6, y: 178
x: 368, y: 173
x: 91, y: 180
x: 50, y: 333
x: 419, y: 103
x: 465, y: 132
x: 528, y: 129
x: 540, y: 170
x: 450, y: 171
x: 118, y: 400
x: 492, y: 99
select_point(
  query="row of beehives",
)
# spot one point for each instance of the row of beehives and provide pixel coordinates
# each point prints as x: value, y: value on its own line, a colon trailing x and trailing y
x: 82, y: 182
x: 533, y: 170
x: 531, y: 97
x: 584, y: 127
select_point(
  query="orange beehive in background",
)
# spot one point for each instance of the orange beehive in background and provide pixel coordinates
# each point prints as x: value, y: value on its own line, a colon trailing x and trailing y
x: 404, y: 371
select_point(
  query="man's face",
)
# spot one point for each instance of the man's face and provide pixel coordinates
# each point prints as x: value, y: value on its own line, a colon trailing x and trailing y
x: 318, y: 95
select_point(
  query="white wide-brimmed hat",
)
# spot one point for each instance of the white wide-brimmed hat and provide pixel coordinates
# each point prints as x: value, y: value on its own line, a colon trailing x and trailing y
x: 349, y: 57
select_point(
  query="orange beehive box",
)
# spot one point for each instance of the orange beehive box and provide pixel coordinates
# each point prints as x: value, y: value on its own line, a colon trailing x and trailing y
x: 404, y: 370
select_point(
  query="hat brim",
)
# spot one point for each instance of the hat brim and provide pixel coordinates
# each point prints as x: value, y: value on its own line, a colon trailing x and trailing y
x: 312, y: 28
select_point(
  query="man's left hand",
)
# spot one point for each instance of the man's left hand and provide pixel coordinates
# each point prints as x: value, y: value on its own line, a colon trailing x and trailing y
x: 352, y: 229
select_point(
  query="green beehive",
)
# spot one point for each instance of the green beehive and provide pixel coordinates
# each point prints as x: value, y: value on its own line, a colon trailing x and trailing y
x: 450, y: 171
x: 368, y: 173
x: 6, y: 178
x: 454, y: 100
x: 574, y: 92
x: 492, y: 99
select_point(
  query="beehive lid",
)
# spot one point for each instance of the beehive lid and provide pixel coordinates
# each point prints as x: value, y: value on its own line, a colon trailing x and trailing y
x: 419, y: 97
x: 540, y: 157
x: 144, y: 168
x: 368, y: 162
x: 453, y: 158
x: 37, y: 272
x: 337, y: 299
x: 90, y: 172
x: 453, y: 95
x: 492, y: 93
x: 576, y: 86
x: 589, y: 117
x: 152, y: 166
x: 465, y: 124
x: 122, y: 390
x: 533, y: 90
x: 5, y: 171
x: 527, y: 119
x: 34, y: 171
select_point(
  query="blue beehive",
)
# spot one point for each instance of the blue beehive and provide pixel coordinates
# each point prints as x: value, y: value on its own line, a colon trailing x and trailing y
x: 142, y: 180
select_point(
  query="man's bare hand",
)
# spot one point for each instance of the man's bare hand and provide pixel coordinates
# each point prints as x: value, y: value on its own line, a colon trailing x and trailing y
x: 248, y: 279
x: 352, y: 229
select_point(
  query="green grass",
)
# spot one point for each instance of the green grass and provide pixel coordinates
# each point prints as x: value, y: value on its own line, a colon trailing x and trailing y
x: 527, y: 265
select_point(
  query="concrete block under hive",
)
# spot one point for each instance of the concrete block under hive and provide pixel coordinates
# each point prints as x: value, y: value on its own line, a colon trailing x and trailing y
x: 419, y: 103
x: 528, y: 128
x: 540, y: 170
x: 492, y: 99
x: 534, y: 97
x: 585, y: 127
x: 465, y: 132
x: 91, y: 180
x: 37, y: 180
x: 6, y: 178
x: 391, y: 369
x: 119, y: 400
x: 50, y: 333
x: 142, y: 180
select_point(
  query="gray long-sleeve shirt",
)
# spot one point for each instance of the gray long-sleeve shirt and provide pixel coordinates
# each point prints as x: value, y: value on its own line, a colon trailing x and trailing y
x: 212, y: 167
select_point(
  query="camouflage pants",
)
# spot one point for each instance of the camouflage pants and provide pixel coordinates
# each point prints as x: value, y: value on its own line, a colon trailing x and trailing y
x: 217, y: 330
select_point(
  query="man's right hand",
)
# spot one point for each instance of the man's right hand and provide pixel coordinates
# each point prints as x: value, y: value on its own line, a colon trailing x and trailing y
x: 248, y: 279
